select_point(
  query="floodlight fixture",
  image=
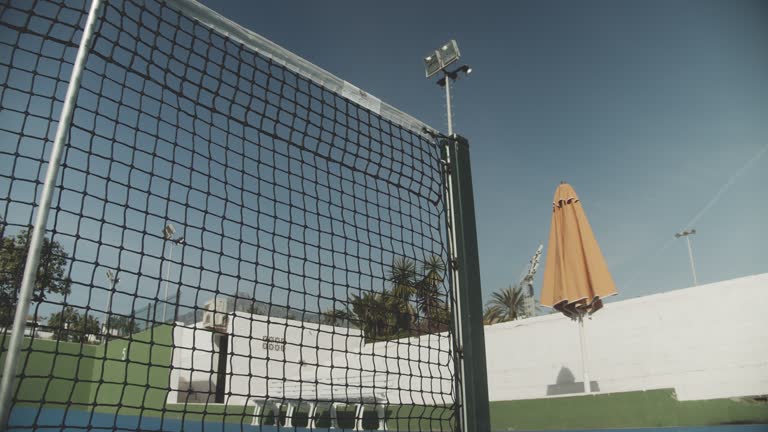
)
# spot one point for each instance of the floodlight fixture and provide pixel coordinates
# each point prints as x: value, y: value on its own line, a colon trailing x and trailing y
x: 438, y: 61
x: 432, y: 63
x: 169, y: 231
x: 449, y: 53
x: 112, y: 276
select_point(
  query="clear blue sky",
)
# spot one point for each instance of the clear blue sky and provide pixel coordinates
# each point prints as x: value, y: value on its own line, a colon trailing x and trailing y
x: 656, y: 112
x: 648, y: 108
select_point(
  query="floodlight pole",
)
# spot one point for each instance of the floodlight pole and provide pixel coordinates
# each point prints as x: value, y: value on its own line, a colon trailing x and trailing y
x: 445, y: 81
x: 690, y: 257
x: 113, y: 281
x: 167, y: 281
x: 687, y: 234
x: 169, y: 237
x: 447, y: 86
x: 43, y: 209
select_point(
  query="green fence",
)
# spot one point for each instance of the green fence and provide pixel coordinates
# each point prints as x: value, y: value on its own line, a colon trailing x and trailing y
x: 60, y: 374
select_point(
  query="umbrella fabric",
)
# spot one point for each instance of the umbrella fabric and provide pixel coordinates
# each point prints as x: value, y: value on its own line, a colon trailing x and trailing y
x: 576, y: 278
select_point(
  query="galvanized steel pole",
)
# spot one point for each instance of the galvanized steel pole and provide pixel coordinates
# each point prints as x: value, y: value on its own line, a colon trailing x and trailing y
x: 448, y: 102
x: 38, y: 232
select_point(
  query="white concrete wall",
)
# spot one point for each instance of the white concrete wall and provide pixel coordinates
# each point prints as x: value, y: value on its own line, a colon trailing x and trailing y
x: 705, y: 342
x: 321, y: 362
x: 194, y: 361
x: 404, y: 371
x: 262, y: 351
x: 258, y: 369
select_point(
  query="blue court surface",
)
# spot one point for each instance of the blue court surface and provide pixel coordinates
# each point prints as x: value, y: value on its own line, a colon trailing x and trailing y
x: 50, y: 420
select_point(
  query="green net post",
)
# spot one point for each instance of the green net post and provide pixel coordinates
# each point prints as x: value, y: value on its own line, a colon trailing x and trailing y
x: 475, y: 416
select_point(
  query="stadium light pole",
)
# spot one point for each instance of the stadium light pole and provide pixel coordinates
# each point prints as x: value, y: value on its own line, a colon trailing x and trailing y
x: 687, y: 234
x: 464, y: 265
x: 439, y: 61
x: 113, y: 281
x: 168, y: 233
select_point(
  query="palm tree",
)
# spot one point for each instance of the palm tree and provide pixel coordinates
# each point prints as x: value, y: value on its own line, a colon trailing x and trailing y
x: 505, y: 305
x: 428, y: 291
x: 491, y: 315
x: 335, y: 317
x: 403, y: 278
x: 371, y: 313
x: 392, y: 313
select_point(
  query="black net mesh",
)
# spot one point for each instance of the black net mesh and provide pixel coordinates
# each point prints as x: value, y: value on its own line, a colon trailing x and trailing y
x: 231, y: 245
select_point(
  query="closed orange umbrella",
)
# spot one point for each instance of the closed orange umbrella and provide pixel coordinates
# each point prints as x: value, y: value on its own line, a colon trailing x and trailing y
x: 576, y: 278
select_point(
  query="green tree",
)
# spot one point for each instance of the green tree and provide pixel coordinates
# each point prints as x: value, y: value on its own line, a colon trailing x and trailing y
x: 433, y: 309
x: 70, y: 325
x: 412, y: 306
x: 397, y: 303
x: 256, y: 309
x: 50, y: 273
x: 371, y: 313
x: 491, y: 315
x: 505, y: 305
x: 403, y: 278
x: 335, y: 317
x: 122, y: 325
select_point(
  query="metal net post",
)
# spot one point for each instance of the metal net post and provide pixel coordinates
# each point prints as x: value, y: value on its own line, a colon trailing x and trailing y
x: 474, y: 408
x: 38, y: 232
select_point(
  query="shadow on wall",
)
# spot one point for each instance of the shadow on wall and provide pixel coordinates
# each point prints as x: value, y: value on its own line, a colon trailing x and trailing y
x: 566, y: 384
x: 198, y: 391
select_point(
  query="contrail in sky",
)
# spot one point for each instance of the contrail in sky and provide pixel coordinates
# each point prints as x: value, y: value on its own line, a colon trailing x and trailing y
x: 715, y: 198
x: 727, y: 186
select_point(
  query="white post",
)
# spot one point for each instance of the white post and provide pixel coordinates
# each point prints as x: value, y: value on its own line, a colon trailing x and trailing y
x: 359, y: 410
x: 334, y: 418
x: 257, y: 410
x: 582, y: 344
x: 312, y: 422
x: 690, y: 256
x: 381, y: 411
x: 38, y: 232
x: 276, y: 406
x: 289, y: 415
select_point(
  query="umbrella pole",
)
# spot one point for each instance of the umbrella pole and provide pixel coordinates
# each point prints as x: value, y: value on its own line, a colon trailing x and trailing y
x: 582, y: 344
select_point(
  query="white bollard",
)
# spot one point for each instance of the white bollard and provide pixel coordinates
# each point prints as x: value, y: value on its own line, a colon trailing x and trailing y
x: 359, y: 410
x: 257, y: 410
x: 312, y: 420
x: 381, y: 412
x: 289, y: 415
x: 334, y: 419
